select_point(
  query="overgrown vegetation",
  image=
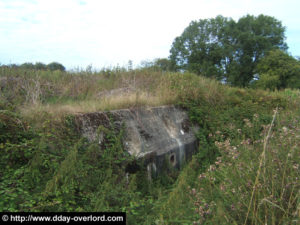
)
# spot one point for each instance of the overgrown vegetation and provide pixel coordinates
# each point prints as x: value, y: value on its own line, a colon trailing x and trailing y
x: 241, y: 173
x: 38, y: 66
x: 238, y: 52
x: 278, y: 70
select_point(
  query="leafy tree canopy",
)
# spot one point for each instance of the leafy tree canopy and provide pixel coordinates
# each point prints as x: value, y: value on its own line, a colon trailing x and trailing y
x: 225, y: 49
x: 158, y: 64
x: 278, y: 70
x: 40, y: 66
x: 55, y: 66
x: 37, y: 66
x: 162, y: 64
x: 28, y: 66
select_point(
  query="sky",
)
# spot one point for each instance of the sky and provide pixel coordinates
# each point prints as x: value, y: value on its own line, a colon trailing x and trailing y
x: 78, y: 33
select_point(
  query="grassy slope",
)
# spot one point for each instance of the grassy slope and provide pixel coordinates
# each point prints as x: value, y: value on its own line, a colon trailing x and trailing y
x: 240, y: 175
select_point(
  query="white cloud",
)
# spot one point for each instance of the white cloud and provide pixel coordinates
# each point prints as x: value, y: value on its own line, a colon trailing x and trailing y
x: 80, y: 32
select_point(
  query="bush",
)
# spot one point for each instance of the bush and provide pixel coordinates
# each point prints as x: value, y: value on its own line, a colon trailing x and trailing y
x: 55, y: 66
x: 278, y: 70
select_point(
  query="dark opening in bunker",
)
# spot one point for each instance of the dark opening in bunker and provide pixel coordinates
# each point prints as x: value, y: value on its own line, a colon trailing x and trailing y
x: 173, y: 159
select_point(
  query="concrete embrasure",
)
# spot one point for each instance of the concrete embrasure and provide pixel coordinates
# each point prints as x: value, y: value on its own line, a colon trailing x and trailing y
x: 154, y: 134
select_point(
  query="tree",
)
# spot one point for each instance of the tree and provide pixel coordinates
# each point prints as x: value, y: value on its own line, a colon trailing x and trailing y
x: 200, y: 48
x: 55, y: 66
x: 162, y: 64
x: 27, y: 66
x: 278, y: 70
x: 255, y: 37
x: 159, y: 64
x: 40, y: 66
x: 225, y: 49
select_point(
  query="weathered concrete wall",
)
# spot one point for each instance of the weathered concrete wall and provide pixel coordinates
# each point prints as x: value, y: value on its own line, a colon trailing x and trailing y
x: 155, y: 134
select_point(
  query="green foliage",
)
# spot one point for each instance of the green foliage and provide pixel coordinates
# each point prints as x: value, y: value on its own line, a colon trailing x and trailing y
x: 225, y: 49
x: 199, y: 49
x: 159, y: 64
x: 55, y: 66
x: 40, y: 66
x: 27, y: 66
x: 245, y: 186
x: 37, y: 66
x: 46, y: 166
x: 52, y: 169
x: 267, y: 81
x: 163, y: 64
x: 240, y: 116
x: 15, y: 139
x: 278, y: 70
x: 31, y: 66
x: 17, y: 147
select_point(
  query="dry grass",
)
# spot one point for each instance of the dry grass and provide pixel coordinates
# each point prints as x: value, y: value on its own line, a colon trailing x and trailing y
x: 58, y: 93
x: 136, y: 99
x: 261, y: 162
x: 96, y: 93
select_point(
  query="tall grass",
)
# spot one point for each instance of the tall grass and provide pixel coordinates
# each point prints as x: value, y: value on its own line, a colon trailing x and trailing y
x: 59, y: 93
x: 249, y: 183
x: 246, y: 170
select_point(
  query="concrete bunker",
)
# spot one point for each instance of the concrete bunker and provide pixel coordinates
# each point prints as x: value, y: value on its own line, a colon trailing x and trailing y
x: 152, y: 134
